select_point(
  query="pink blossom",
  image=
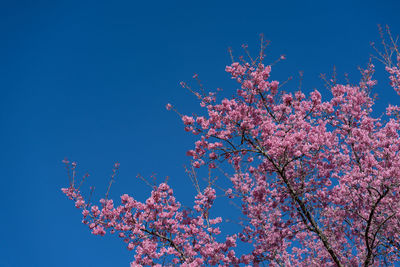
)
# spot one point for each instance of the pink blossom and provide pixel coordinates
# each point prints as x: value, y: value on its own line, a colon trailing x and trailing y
x: 187, y: 120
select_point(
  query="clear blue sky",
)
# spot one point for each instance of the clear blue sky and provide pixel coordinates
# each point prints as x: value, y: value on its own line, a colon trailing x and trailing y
x: 89, y: 80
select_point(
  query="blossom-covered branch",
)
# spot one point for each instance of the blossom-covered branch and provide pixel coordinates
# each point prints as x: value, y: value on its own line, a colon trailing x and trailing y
x: 317, y: 181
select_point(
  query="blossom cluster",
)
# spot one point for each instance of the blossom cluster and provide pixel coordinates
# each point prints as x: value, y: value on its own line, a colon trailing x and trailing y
x: 159, y: 228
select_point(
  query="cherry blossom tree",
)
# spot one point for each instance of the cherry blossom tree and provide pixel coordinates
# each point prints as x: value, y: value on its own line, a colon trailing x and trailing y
x: 317, y: 181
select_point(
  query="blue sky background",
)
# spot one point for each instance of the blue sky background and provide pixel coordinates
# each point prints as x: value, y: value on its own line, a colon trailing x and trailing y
x: 89, y: 80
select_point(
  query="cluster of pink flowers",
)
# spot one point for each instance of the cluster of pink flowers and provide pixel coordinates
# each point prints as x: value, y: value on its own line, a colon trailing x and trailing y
x: 317, y: 182
x: 159, y: 228
x: 394, y: 77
